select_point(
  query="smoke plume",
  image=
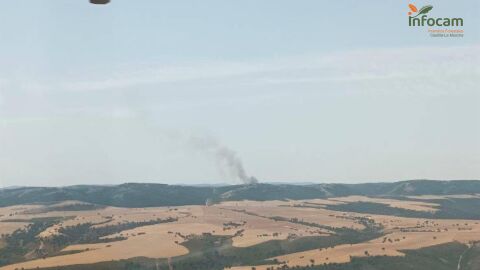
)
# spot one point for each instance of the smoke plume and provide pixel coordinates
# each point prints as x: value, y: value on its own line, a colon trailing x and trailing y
x: 228, y: 162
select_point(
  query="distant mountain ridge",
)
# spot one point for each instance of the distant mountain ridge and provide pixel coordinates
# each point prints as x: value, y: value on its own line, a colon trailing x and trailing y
x: 150, y: 195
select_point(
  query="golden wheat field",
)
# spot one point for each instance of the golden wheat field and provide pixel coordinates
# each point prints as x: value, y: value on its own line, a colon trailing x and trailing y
x: 247, y: 223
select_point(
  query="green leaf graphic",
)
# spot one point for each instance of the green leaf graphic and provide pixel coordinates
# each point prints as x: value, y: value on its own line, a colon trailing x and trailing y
x: 425, y: 10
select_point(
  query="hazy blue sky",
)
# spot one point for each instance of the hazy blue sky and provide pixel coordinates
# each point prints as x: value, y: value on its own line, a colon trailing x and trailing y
x: 323, y: 91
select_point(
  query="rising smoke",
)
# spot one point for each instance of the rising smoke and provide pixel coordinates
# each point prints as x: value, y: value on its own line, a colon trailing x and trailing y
x: 228, y: 162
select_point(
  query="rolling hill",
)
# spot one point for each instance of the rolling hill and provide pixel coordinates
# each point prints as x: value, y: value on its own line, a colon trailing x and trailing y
x: 149, y: 195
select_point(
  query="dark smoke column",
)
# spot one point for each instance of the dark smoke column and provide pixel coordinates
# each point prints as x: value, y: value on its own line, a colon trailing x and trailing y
x: 252, y: 180
x: 100, y: 2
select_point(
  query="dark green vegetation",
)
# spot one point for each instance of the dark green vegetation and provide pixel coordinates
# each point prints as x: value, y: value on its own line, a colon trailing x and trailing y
x: 471, y: 258
x: 206, y: 251
x: 441, y: 257
x: 210, y: 252
x: 214, y: 253
x: 23, y: 244
x: 126, y: 195
x: 148, y: 195
x: 87, y: 233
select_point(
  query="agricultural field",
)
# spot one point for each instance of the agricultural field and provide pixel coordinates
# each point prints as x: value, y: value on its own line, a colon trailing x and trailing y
x: 318, y: 233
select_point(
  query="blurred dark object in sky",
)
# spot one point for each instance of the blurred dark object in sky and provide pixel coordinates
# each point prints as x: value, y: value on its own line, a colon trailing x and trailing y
x: 100, y: 2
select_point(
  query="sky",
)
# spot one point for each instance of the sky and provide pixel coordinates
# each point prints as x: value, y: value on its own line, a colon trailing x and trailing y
x: 180, y: 92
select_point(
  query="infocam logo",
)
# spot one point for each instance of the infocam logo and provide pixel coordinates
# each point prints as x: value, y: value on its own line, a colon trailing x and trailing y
x: 419, y: 17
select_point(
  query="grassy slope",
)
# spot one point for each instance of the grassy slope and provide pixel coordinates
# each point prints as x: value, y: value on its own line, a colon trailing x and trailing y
x: 449, y: 209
